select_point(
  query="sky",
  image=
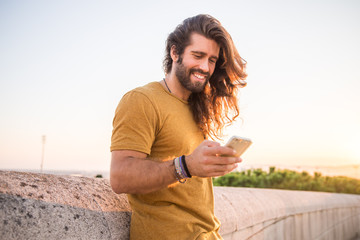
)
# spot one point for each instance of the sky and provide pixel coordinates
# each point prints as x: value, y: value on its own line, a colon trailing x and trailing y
x: 64, y: 66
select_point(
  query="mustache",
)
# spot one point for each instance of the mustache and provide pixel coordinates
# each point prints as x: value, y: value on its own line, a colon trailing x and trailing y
x: 207, y: 74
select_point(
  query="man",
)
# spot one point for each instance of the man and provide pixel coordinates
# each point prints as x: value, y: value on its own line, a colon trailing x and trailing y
x: 160, y: 153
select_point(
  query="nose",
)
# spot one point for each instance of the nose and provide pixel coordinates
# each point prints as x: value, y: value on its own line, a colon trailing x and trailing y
x: 204, y: 65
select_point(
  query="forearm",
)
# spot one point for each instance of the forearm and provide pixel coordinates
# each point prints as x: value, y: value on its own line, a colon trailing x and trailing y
x: 140, y: 176
x: 132, y: 173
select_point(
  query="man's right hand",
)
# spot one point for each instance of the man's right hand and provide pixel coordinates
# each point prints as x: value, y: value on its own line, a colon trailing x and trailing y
x: 207, y: 160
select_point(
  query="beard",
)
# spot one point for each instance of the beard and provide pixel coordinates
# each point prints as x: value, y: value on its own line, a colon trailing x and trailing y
x: 183, y: 75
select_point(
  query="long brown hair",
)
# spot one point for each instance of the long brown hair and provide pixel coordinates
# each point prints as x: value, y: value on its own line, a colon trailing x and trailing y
x: 217, y: 105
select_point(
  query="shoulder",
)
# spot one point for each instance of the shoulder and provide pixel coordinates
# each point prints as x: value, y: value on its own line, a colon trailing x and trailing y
x: 150, y: 93
x: 143, y: 97
x: 149, y: 90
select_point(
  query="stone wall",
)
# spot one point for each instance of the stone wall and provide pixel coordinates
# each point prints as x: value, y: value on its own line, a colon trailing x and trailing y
x: 250, y: 213
x: 42, y: 206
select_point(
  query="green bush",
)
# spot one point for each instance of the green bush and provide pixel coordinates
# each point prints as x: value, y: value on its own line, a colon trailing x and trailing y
x: 287, y: 179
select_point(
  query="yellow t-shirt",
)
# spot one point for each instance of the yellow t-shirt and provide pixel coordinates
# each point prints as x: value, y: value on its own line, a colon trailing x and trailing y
x: 153, y: 121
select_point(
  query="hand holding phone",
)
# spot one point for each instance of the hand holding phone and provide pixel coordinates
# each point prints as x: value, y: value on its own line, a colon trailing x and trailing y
x: 239, y: 144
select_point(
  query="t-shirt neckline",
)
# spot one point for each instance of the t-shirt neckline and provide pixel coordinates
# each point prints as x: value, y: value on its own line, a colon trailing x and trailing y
x: 172, y: 95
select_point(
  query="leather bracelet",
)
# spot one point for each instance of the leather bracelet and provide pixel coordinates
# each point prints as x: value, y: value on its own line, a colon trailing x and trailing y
x: 183, y: 160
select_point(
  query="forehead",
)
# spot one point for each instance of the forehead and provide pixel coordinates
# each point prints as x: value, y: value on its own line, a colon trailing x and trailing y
x: 199, y: 43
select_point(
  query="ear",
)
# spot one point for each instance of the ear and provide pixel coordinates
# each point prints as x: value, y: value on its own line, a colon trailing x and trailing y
x: 173, y: 53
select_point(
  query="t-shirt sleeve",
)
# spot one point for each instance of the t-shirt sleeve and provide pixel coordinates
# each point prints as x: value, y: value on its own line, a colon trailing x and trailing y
x: 134, y: 124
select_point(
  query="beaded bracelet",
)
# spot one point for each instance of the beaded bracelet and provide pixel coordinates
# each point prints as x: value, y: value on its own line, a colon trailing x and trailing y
x: 179, y: 172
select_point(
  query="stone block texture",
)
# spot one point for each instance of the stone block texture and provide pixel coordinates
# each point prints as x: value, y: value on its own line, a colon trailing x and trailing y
x: 42, y: 206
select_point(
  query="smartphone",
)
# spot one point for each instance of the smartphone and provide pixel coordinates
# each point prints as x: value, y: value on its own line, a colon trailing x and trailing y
x: 239, y: 144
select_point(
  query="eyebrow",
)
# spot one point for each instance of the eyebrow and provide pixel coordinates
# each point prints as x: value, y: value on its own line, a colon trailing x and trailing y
x: 202, y: 54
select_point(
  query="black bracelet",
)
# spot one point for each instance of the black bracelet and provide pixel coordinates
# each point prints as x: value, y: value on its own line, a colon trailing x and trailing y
x: 185, y: 166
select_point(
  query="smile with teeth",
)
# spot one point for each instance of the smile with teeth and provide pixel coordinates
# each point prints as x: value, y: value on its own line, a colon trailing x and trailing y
x: 197, y: 75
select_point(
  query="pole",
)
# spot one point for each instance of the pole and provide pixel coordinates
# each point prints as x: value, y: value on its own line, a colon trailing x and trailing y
x: 42, y: 154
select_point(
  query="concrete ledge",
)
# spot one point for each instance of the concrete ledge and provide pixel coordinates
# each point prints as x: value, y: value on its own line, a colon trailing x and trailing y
x: 41, y: 206
x: 250, y: 213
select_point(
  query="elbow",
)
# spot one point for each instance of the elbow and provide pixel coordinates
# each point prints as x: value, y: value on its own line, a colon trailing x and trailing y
x: 119, y: 186
x: 116, y: 189
x: 116, y: 185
